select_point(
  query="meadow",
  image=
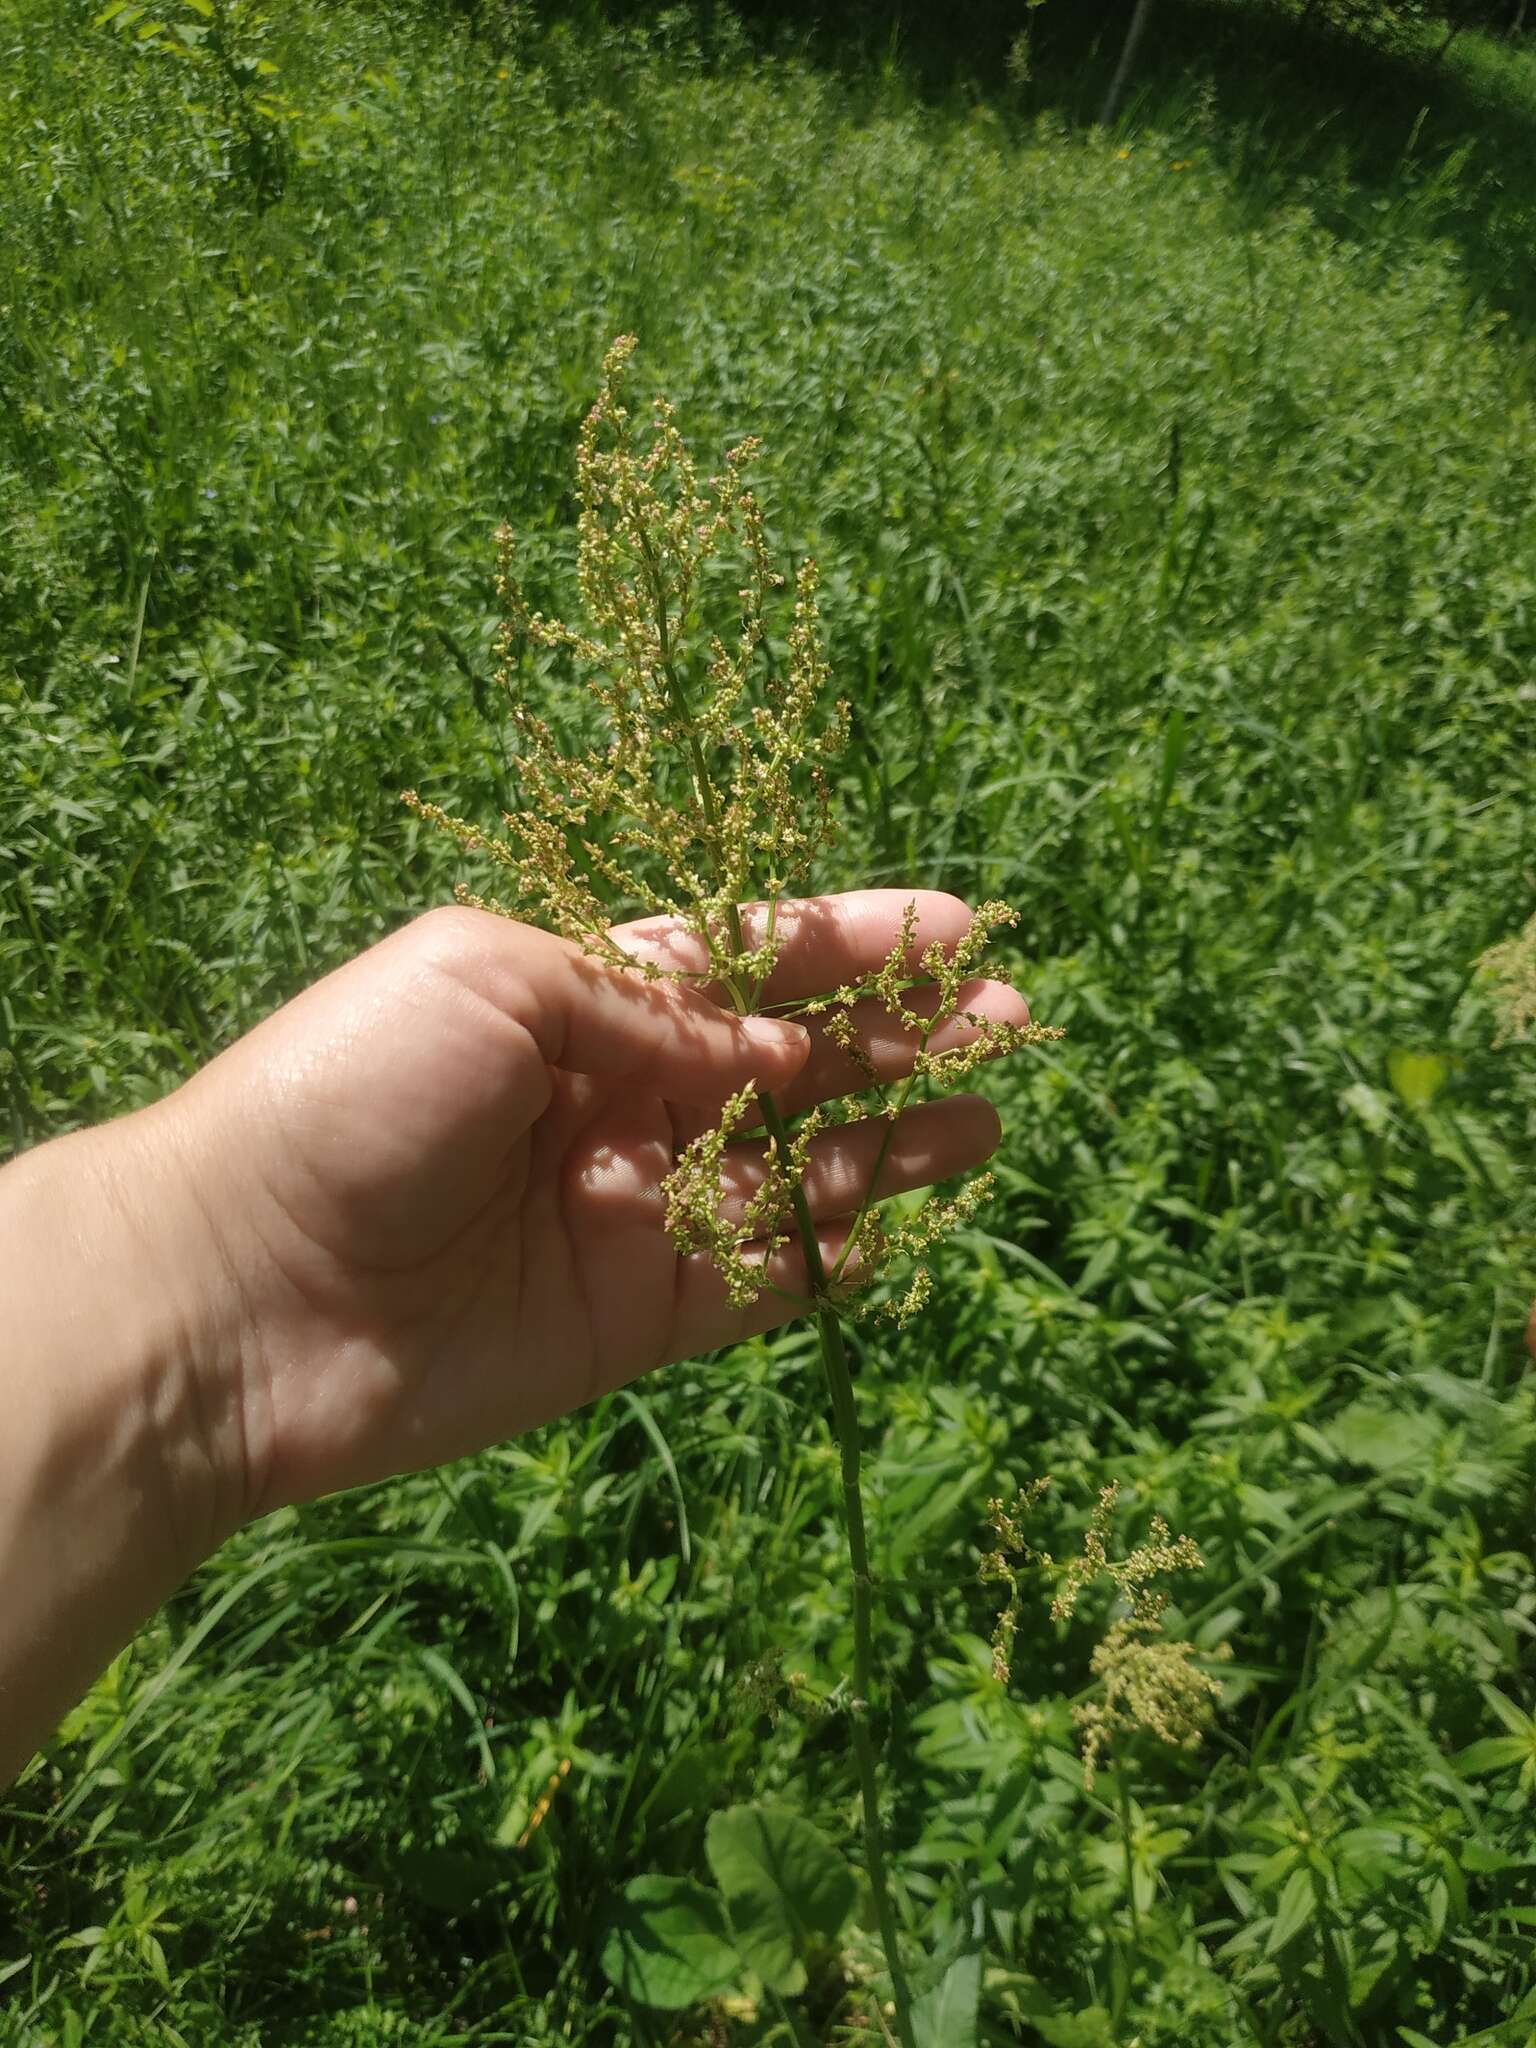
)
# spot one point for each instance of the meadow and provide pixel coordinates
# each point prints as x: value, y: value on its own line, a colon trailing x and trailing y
x: 1174, y: 491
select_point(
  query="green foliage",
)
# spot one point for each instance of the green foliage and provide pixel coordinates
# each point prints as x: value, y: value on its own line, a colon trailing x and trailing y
x: 669, y: 1945
x: 785, y: 1894
x: 1174, y: 526
x: 222, y: 42
x: 946, y: 2016
x: 784, y: 1886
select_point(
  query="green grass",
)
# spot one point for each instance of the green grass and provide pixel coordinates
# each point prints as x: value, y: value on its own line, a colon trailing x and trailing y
x: 1175, y: 493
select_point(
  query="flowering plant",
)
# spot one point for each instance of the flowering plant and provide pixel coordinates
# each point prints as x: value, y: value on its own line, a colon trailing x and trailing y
x: 705, y: 808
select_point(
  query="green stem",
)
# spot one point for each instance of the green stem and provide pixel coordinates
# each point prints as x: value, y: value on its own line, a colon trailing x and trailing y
x: 845, y: 1415
x: 1130, y: 1865
x: 790, y: 2024
x: 845, y: 1421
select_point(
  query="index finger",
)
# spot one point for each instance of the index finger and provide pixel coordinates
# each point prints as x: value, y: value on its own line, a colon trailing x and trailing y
x: 825, y: 941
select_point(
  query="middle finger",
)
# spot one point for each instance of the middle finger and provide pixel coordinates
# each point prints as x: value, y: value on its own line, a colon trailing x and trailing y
x: 890, y: 1047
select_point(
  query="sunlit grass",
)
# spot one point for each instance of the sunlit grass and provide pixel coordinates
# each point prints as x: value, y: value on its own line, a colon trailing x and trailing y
x: 1175, y: 525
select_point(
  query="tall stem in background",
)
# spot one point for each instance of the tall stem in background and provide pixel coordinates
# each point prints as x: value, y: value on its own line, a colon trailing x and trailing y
x: 845, y: 1422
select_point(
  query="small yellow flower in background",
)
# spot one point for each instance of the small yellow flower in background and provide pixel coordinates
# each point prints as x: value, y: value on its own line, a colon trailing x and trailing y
x: 1122, y: 154
x: 1181, y: 163
x: 503, y: 74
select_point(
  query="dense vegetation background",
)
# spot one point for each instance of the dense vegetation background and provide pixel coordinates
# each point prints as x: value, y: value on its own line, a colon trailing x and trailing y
x: 1175, y: 490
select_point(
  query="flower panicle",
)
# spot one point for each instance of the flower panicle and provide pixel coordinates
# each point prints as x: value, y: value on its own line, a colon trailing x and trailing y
x: 998, y: 1566
x: 1150, y: 1684
x: 707, y: 1211
x: 1147, y: 1682
x: 712, y: 786
x: 938, y: 978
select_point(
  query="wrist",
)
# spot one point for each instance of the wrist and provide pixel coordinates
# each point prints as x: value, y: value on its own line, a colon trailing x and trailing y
x: 172, y: 1324
x: 119, y: 1470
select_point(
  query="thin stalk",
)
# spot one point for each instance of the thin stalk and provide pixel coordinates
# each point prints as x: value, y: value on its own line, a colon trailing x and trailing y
x: 845, y: 1420
x: 845, y: 1416
x: 1130, y: 1865
x: 787, y: 2019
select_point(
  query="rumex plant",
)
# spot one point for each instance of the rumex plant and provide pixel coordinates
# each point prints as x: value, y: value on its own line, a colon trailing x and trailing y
x: 706, y: 805
x: 1148, y: 1682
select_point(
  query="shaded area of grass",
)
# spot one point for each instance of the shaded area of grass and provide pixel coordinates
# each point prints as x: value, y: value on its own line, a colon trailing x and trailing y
x: 1375, y: 138
x: 1177, y: 559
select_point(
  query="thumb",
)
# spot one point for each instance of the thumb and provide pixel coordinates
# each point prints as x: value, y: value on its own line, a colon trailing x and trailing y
x: 589, y: 1018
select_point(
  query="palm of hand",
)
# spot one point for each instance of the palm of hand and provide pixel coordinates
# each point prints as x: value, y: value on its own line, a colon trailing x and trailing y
x: 445, y: 1219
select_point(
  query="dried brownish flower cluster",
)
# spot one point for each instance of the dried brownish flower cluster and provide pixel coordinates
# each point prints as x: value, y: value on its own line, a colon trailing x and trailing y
x: 712, y: 790
x: 1148, y: 1682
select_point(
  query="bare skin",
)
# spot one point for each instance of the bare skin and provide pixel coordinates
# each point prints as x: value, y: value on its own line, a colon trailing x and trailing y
x: 415, y: 1212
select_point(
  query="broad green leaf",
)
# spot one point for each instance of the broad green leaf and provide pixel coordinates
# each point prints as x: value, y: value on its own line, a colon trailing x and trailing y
x: 784, y: 1885
x: 1494, y: 1753
x: 690, y: 1783
x: 1481, y: 1860
x: 945, y: 2017
x: 1373, y: 1839
x: 668, y: 1945
x: 1273, y: 1868
x: 1473, y: 1146
x: 1516, y: 1721
x: 1368, y: 1434
x: 1417, y: 1077
x: 202, y: 7
x: 1363, y: 1982
x: 1298, y: 1902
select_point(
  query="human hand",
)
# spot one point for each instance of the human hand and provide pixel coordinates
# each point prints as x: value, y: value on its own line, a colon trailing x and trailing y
x: 416, y: 1211
x: 431, y: 1185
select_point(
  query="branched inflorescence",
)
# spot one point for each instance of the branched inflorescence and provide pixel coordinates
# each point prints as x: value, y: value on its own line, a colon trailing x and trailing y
x: 1511, y: 967
x: 707, y: 806
x: 1148, y: 1681
x: 712, y: 791
x: 696, y: 1220
x: 712, y: 788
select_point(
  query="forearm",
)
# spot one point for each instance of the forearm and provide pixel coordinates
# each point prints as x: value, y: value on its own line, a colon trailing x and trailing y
x: 109, y: 1493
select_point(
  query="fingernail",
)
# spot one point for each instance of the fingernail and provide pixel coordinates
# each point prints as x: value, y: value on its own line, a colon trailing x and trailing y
x: 776, y: 1035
